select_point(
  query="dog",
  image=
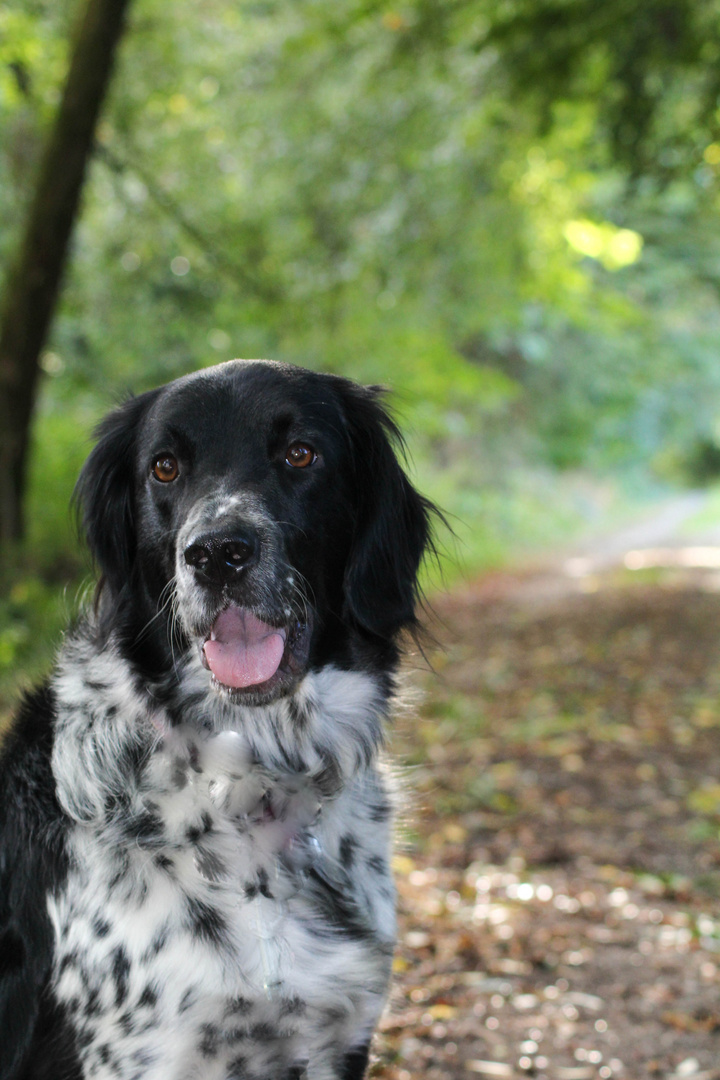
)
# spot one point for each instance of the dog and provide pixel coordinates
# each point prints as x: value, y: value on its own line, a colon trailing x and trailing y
x: 195, y: 821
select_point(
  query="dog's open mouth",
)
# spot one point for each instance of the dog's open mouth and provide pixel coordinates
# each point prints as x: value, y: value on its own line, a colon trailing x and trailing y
x: 243, y: 653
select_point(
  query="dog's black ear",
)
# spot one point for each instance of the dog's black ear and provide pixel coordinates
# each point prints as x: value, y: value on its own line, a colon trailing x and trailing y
x: 392, y: 530
x: 104, y: 493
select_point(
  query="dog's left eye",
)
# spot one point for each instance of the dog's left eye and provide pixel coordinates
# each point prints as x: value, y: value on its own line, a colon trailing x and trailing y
x: 165, y: 468
x: 300, y: 455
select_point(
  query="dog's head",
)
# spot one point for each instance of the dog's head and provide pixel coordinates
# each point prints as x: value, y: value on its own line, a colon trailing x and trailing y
x: 255, y: 512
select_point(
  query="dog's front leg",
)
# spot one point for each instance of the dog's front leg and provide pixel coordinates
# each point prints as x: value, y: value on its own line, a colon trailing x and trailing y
x: 354, y: 1063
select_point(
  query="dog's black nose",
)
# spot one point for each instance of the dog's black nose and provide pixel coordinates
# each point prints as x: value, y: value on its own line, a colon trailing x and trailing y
x: 220, y: 558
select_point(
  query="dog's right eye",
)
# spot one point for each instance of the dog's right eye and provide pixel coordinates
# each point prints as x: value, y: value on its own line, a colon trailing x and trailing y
x: 300, y: 455
x: 165, y: 468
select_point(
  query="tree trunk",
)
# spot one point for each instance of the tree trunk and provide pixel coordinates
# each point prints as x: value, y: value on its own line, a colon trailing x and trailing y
x: 33, y: 281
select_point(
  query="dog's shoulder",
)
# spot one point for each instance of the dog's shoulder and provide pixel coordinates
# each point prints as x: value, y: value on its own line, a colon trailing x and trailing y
x: 33, y: 864
x: 25, y: 752
x: 32, y: 855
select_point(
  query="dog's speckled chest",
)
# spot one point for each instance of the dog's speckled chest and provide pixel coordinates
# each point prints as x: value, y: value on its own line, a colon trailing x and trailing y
x: 222, y: 918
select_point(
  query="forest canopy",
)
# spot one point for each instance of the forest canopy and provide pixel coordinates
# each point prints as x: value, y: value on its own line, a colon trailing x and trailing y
x: 507, y: 212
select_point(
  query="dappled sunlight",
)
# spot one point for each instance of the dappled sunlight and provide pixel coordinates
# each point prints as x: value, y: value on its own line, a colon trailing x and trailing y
x: 471, y: 960
x: 613, y: 247
x: 560, y: 871
x: 696, y: 566
x: 695, y: 557
x: 692, y: 566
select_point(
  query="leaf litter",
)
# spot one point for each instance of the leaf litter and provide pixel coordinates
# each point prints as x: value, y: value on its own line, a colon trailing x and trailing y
x: 559, y: 859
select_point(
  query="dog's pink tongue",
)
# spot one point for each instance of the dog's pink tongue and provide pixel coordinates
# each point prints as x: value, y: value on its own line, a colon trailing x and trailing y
x: 242, y: 650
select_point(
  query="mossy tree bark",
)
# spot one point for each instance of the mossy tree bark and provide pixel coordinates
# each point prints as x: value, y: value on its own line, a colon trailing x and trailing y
x: 33, y: 281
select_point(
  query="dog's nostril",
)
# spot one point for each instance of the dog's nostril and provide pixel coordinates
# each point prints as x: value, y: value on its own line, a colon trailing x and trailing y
x: 198, y: 556
x: 237, y: 553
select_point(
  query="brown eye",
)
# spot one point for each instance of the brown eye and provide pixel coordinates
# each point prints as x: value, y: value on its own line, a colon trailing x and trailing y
x: 300, y: 455
x: 165, y: 468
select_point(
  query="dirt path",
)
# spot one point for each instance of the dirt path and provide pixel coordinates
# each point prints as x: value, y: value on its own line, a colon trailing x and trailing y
x: 560, y: 876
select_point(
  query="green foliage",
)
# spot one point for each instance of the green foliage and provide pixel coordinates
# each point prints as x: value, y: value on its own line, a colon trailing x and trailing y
x: 43, y: 583
x: 508, y: 213
x: 708, y: 518
x: 416, y: 195
x: 61, y: 444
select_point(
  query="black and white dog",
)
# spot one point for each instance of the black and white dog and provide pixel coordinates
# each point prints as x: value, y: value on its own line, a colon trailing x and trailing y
x: 194, y: 824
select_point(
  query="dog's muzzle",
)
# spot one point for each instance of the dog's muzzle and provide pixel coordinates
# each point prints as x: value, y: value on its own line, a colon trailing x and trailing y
x: 238, y: 593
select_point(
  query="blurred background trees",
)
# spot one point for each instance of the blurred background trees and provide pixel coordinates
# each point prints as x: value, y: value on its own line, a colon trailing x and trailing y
x: 507, y: 212
x: 34, y: 277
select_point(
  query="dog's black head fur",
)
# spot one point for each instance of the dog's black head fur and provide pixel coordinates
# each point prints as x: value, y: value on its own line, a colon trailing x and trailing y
x: 321, y: 544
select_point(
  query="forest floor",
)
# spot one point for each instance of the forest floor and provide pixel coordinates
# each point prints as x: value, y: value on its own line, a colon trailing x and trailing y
x: 559, y: 862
